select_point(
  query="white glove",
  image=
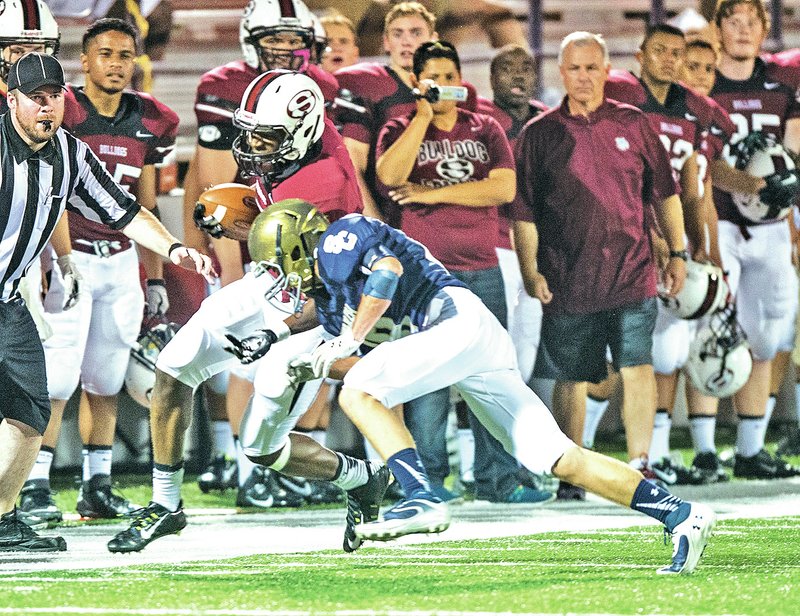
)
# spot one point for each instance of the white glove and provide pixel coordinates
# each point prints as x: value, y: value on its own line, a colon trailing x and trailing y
x: 325, y: 354
x: 300, y: 369
x: 157, y: 300
x: 72, y: 281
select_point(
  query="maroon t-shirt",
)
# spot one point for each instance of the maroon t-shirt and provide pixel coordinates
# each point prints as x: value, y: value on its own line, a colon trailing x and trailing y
x: 512, y: 127
x: 141, y: 133
x: 765, y: 101
x: 462, y: 238
x: 584, y: 182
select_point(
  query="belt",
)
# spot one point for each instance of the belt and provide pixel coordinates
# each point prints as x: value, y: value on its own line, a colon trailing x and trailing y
x: 101, y: 248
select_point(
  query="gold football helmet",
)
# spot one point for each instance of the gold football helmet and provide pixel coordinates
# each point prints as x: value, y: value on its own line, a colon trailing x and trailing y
x: 283, y: 239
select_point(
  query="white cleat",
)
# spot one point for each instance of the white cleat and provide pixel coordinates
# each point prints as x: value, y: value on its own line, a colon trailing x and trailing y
x: 689, y: 539
x: 422, y: 515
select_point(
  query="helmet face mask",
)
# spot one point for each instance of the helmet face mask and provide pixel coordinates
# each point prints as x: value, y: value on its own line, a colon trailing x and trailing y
x: 31, y: 31
x: 267, y: 153
x: 283, y: 48
x: 140, y: 376
x: 291, y: 26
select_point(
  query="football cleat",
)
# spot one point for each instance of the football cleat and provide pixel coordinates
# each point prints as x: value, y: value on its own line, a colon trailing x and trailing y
x: 263, y: 489
x: 363, y: 504
x: 568, y: 492
x: 148, y: 524
x: 16, y: 536
x: 708, y: 468
x: 97, y: 500
x: 37, y: 508
x: 763, y: 466
x: 790, y: 444
x: 221, y: 474
x: 689, y: 539
x: 421, y: 513
x: 524, y: 494
x: 324, y: 493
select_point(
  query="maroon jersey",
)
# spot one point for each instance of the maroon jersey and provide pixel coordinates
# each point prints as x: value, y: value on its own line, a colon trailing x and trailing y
x: 461, y: 237
x: 329, y: 181
x: 718, y: 135
x: 765, y: 101
x: 141, y: 133
x: 787, y: 64
x: 512, y: 127
x: 220, y: 93
x: 381, y: 95
x: 584, y: 182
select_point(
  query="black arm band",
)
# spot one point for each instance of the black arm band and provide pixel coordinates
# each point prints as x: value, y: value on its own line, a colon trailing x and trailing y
x: 173, y: 247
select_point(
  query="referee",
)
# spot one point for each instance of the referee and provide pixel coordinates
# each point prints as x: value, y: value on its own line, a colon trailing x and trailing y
x: 41, y: 168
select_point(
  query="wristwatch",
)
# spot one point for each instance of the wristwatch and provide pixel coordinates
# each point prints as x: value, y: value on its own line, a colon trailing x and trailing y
x: 679, y: 254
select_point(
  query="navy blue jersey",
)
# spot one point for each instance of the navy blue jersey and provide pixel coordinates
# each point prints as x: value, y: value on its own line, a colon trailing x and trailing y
x: 345, y: 255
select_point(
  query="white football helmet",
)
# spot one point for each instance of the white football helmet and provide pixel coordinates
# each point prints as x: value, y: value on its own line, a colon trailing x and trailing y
x: 27, y: 22
x: 762, y: 156
x: 140, y: 377
x: 704, y: 292
x: 719, y: 361
x: 268, y: 17
x: 281, y: 118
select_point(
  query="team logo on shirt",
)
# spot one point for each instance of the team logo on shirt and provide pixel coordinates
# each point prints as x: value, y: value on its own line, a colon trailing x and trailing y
x: 622, y: 144
x: 455, y: 170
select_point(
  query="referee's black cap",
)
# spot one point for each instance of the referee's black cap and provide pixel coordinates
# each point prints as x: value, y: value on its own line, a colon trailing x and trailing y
x: 34, y: 70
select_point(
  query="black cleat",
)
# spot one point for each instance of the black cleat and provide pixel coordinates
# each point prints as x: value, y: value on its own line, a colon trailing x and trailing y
x: 16, y: 536
x: 324, y: 493
x: 363, y: 504
x: 37, y: 508
x: 569, y: 492
x: 96, y: 500
x: 763, y: 466
x: 263, y: 489
x: 790, y: 444
x: 709, y: 469
x: 221, y: 474
x: 148, y: 524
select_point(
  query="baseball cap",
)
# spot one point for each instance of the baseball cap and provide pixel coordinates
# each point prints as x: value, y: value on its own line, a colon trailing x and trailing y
x: 34, y: 70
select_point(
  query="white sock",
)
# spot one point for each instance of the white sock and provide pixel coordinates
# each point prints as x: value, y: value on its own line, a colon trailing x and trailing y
x: 96, y: 461
x: 595, y: 409
x: 223, y: 439
x: 167, y: 487
x: 319, y: 436
x: 245, y: 465
x: 702, y: 428
x: 749, y: 436
x: 466, y: 449
x: 372, y: 453
x: 353, y: 472
x: 771, y: 402
x: 41, y: 468
x: 659, y: 443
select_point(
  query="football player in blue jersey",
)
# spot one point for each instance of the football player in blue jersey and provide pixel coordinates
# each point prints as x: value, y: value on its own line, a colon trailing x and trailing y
x: 380, y: 295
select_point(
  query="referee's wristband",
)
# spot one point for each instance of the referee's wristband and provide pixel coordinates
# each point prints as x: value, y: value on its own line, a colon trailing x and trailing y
x: 175, y: 246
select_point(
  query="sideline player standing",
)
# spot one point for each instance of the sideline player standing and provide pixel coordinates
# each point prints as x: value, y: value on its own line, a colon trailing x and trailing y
x: 130, y: 133
x: 49, y: 167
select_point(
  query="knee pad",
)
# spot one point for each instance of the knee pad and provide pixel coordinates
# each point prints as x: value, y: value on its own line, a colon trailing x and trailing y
x: 183, y: 354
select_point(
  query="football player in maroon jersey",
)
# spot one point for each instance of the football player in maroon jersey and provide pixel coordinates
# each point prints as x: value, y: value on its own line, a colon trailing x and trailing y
x: 130, y: 133
x: 760, y: 96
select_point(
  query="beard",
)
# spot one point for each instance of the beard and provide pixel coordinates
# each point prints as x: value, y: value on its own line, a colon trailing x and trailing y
x: 40, y: 131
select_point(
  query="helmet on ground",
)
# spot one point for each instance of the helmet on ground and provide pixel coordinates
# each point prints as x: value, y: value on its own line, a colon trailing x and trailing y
x: 719, y: 362
x: 762, y: 156
x: 140, y: 377
x: 263, y: 18
x: 26, y: 22
x: 704, y: 292
x: 284, y: 239
x: 281, y: 119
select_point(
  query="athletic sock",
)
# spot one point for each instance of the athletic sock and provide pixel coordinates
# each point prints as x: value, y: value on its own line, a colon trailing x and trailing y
x: 409, y: 471
x: 224, y: 445
x: 466, y: 457
x: 749, y: 436
x: 96, y: 461
x: 595, y: 409
x: 41, y: 468
x: 703, y: 428
x: 656, y: 502
x: 246, y: 466
x: 351, y: 472
x: 167, y: 482
x: 659, y: 443
x: 771, y: 402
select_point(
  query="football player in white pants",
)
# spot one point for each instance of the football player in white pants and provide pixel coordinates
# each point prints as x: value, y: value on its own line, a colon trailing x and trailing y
x: 374, y: 274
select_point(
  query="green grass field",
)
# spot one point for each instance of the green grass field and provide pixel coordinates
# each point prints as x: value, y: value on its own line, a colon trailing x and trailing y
x: 751, y: 567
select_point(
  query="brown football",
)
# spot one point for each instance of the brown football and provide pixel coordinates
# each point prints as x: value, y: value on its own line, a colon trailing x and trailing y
x: 233, y: 206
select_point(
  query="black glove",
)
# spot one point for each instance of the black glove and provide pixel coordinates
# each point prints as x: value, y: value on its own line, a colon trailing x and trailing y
x: 782, y: 189
x: 247, y: 350
x: 209, y: 224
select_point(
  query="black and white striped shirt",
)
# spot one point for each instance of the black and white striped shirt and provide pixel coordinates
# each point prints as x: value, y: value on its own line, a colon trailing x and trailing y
x: 35, y: 188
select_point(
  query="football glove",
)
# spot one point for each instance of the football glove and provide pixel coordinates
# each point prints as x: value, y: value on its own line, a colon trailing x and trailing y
x: 782, y: 189
x: 300, y: 369
x: 72, y: 281
x: 209, y: 224
x: 327, y: 353
x: 249, y: 349
x: 157, y: 300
